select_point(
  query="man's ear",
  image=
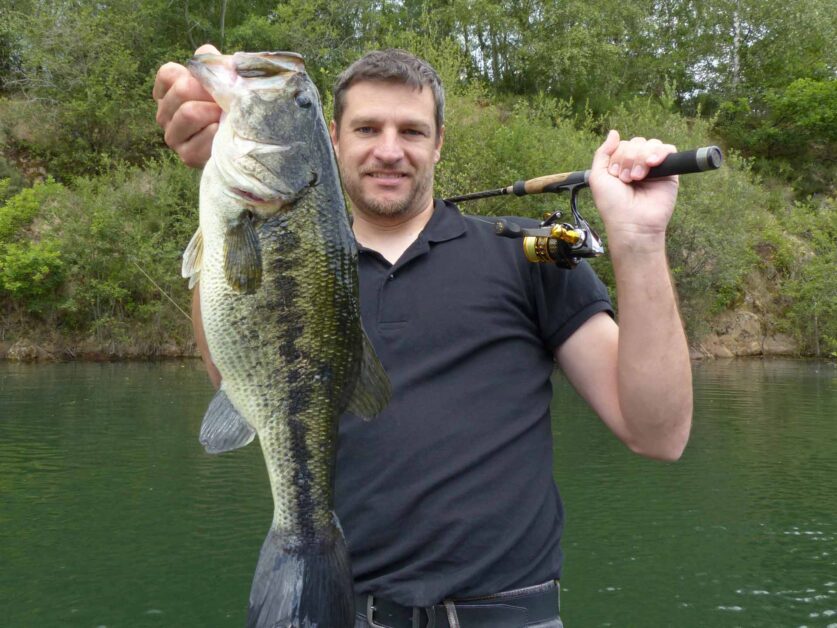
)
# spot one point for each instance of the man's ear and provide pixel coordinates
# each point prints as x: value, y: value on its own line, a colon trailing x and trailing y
x: 437, y: 155
x: 332, y: 131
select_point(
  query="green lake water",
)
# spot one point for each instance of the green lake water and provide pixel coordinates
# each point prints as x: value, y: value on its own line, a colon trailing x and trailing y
x: 111, y: 514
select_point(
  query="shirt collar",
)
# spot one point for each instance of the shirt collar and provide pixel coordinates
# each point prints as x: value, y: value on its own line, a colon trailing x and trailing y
x: 446, y: 223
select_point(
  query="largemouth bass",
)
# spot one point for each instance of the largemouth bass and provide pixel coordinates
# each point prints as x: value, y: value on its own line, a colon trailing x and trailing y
x: 276, y: 261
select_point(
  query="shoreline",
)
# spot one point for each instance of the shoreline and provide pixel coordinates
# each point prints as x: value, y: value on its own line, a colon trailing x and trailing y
x: 27, y: 351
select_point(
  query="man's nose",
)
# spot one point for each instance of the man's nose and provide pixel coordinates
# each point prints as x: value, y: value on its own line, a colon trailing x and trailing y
x: 388, y: 148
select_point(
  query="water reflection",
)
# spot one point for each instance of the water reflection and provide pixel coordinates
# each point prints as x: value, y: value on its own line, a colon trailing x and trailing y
x: 711, y: 540
x: 112, y: 515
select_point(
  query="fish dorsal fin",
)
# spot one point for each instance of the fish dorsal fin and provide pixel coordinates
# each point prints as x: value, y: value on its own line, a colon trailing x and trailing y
x: 193, y: 259
x: 243, y: 256
x: 223, y: 428
x: 372, y: 391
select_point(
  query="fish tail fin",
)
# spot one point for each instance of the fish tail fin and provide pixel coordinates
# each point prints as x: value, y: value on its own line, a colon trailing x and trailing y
x: 302, y: 585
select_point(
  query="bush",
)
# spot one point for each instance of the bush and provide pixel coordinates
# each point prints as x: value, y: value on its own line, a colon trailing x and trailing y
x: 812, y: 283
x: 19, y: 210
x: 791, y: 131
x: 31, y: 273
x: 86, y: 261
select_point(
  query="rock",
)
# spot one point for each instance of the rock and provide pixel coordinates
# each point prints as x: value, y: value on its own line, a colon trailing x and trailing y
x: 780, y: 344
x: 25, y: 351
x: 715, y: 347
x: 740, y: 333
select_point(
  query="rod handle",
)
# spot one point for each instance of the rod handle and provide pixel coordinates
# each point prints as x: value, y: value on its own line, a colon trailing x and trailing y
x: 550, y: 183
x: 688, y: 161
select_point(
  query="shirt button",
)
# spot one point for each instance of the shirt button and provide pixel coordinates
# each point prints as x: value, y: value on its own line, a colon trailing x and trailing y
x: 391, y: 277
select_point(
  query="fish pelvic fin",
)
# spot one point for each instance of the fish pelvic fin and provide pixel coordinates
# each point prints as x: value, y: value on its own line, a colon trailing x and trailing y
x: 223, y: 428
x: 302, y: 584
x: 372, y: 391
x: 243, y: 256
x: 193, y: 259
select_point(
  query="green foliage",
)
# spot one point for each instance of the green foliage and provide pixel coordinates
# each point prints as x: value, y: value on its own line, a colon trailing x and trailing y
x: 792, y: 133
x: 532, y: 86
x: 133, y: 221
x: 715, y: 225
x: 19, y: 210
x: 812, y: 282
x: 11, y: 181
x: 489, y: 146
x: 98, y: 244
x: 31, y: 273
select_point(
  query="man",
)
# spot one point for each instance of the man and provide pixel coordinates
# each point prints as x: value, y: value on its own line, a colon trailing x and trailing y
x: 447, y: 499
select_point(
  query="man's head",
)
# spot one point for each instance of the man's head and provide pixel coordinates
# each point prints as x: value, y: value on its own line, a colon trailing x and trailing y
x: 387, y: 133
x: 391, y: 66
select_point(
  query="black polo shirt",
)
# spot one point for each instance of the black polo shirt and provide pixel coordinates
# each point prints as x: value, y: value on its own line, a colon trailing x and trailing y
x: 449, y: 492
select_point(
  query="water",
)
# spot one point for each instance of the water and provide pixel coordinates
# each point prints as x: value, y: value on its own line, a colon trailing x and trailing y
x: 112, y: 515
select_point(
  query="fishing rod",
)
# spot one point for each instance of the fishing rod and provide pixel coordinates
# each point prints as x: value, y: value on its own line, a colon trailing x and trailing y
x: 566, y: 244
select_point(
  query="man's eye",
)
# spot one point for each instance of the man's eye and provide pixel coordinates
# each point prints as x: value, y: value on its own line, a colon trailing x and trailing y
x: 365, y: 130
x: 413, y: 132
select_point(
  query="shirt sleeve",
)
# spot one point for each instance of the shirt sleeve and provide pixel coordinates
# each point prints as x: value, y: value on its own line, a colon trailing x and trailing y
x: 565, y: 299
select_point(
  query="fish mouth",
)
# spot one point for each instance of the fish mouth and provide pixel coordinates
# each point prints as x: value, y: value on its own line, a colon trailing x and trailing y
x: 252, y: 198
x: 218, y: 74
x: 277, y: 202
x: 262, y: 64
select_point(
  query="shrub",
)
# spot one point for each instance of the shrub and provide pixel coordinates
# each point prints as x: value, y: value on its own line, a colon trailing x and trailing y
x: 812, y: 283
x: 31, y: 273
x: 19, y: 210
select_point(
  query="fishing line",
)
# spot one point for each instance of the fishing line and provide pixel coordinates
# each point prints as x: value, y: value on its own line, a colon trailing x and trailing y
x: 163, y: 292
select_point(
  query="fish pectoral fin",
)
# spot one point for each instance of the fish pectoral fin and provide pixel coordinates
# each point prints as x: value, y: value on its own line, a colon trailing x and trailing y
x: 193, y: 259
x: 223, y: 428
x: 243, y: 256
x: 372, y: 391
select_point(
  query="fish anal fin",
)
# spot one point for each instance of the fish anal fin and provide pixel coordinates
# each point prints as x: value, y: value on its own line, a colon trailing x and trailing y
x: 223, y: 428
x: 193, y: 259
x: 372, y: 391
x: 243, y: 256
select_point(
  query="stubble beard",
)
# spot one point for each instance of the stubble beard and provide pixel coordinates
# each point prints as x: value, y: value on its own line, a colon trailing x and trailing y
x: 367, y: 203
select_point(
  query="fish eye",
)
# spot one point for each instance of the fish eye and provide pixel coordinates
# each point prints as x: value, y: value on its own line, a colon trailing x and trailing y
x: 303, y: 100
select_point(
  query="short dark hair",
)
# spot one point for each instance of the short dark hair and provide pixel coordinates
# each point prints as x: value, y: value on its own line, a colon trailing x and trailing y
x: 395, y: 66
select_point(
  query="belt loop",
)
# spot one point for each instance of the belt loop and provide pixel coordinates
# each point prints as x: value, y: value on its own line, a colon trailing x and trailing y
x: 431, y: 617
x: 370, y: 611
x: 453, y: 618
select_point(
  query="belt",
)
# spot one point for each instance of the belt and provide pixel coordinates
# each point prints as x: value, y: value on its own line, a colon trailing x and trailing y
x: 509, y: 609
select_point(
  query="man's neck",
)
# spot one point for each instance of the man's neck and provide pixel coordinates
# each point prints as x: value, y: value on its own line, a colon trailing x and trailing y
x: 390, y: 235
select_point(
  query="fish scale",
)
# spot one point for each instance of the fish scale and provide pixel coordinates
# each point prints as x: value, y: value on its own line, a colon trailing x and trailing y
x: 277, y: 266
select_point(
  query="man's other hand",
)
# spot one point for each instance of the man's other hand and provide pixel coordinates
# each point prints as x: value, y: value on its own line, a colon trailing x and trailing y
x: 186, y: 111
x: 635, y: 211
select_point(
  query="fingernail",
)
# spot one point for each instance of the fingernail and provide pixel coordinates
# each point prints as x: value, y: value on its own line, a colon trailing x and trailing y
x: 614, y: 169
x: 637, y: 171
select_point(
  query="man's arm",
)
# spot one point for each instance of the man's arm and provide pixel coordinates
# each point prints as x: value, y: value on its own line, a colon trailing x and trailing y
x: 189, y: 118
x: 200, y: 339
x: 637, y: 376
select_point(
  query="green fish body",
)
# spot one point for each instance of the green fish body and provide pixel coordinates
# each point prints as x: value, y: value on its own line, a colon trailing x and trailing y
x: 277, y: 265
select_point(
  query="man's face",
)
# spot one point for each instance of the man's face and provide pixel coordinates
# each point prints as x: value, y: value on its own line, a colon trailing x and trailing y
x: 387, y: 148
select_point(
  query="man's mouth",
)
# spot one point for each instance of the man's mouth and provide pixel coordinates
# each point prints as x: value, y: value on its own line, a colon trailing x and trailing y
x: 384, y: 176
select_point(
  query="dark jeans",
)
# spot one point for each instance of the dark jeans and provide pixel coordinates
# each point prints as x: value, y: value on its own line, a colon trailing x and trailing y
x: 555, y: 622
x: 361, y: 622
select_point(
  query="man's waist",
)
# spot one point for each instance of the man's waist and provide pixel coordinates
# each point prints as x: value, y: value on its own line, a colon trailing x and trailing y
x: 507, y: 609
